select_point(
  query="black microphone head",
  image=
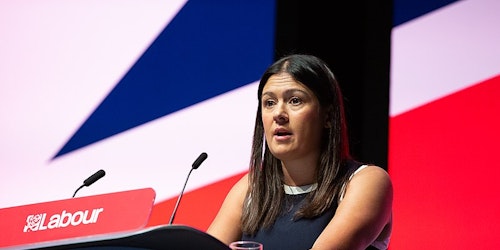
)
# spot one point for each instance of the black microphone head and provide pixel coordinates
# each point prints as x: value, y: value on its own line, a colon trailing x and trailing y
x: 93, y: 178
x: 203, y: 156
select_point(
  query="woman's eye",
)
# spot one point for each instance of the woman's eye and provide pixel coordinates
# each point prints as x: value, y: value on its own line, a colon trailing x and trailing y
x: 268, y: 103
x: 295, y: 100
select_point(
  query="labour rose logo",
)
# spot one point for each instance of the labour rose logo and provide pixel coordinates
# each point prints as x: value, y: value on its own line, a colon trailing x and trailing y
x: 33, y: 222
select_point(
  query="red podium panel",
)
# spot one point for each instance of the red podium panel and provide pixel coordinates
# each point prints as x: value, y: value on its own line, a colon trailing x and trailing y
x: 76, y: 217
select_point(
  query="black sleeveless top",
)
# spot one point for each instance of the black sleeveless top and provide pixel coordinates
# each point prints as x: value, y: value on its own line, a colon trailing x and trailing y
x: 287, y: 233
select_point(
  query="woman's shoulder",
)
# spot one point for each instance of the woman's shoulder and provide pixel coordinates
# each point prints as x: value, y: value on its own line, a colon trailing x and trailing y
x: 239, y: 189
x: 370, y: 180
x: 367, y: 169
x: 243, y: 182
x: 366, y: 177
x: 370, y: 171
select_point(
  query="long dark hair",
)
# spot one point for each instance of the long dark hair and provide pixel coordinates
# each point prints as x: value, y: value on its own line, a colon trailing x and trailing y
x: 265, y: 194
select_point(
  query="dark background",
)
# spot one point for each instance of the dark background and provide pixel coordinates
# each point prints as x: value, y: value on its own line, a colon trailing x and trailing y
x: 353, y: 37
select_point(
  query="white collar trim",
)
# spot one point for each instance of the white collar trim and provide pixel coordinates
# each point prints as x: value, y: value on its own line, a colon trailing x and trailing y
x: 300, y: 189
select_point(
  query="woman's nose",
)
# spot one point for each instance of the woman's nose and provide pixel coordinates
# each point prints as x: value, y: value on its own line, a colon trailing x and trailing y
x: 280, y: 115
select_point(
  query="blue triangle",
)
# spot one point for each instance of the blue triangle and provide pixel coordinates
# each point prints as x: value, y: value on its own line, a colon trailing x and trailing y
x: 209, y: 48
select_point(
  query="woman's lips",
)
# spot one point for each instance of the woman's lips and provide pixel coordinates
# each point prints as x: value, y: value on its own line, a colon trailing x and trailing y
x: 281, y: 134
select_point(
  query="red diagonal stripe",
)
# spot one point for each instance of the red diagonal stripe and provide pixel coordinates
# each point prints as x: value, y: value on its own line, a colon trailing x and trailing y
x: 443, y: 163
x: 196, y: 208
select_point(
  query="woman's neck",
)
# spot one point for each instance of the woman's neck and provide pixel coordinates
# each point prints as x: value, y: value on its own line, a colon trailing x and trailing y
x: 299, y: 172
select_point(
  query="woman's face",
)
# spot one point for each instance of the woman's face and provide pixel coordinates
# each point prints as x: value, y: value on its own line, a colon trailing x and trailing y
x: 292, y: 118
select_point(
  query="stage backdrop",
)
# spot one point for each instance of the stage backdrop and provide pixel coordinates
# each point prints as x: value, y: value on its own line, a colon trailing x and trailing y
x: 444, y: 106
x: 136, y: 88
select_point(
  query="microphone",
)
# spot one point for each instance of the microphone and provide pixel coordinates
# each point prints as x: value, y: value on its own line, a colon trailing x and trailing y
x: 89, y: 181
x: 203, y: 156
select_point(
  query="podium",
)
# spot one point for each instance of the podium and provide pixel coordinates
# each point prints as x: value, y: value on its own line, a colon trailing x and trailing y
x: 107, y: 221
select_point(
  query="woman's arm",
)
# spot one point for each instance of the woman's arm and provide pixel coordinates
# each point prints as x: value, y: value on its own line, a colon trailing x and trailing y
x: 363, y: 213
x: 227, y: 223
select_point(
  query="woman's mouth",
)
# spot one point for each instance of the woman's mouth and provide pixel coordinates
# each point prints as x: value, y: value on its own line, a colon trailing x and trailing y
x: 282, y: 134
